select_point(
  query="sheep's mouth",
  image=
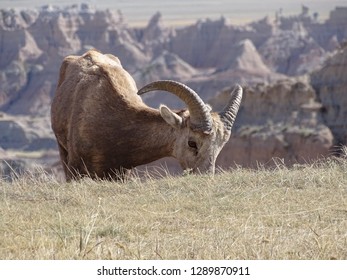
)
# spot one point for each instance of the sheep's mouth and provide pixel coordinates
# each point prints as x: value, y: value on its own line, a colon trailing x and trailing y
x: 199, y: 171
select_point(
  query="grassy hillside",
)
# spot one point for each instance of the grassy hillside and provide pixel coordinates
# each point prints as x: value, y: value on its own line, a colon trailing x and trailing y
x: 284, y: 213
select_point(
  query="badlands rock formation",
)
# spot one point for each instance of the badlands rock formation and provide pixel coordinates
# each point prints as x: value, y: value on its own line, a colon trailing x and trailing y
x: 330, y: 83
x: 34, y: 42
x: 282, y: 120
x: 282, y: 115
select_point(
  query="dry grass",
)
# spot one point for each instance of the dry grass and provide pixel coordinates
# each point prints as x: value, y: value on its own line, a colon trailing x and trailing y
x: 284, y: 213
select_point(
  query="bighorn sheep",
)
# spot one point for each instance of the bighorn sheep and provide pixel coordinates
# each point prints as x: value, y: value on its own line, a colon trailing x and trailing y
x: 104, y: 129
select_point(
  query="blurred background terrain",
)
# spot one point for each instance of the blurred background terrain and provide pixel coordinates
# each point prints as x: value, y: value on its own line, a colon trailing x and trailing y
x: 291, y: 60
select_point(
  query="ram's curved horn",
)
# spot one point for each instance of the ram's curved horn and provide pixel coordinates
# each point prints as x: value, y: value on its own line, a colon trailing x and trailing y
x: 200, y: 116
x: 229, y: 113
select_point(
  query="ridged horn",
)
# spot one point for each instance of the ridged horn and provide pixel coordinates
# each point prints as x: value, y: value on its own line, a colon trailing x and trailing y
x: 200, y: 116
x: 229, y: 113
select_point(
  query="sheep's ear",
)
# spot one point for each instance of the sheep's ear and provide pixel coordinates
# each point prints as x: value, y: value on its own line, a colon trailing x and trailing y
x: 170, y: 117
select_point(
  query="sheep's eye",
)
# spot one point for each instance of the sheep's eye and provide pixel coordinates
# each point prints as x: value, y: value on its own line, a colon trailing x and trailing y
x: 192, y: 144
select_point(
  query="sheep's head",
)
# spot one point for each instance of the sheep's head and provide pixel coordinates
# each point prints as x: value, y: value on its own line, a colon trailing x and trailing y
x: 200, y: 133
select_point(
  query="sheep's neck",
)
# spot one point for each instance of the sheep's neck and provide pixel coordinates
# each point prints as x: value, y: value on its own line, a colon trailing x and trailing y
x: 155, y: 138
